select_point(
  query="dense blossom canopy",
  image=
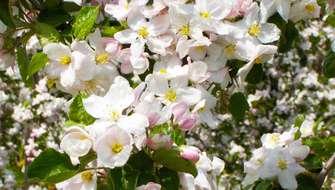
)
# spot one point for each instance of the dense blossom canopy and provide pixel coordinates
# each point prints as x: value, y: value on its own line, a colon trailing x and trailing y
x: 167, y: 94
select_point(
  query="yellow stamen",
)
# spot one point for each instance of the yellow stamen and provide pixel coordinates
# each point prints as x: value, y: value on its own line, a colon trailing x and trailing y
x: 310, y: 8
x: 102, y: 58
x: 143, y: 32
x: 117, y: 148
x: 282, y: 164
x: 258, y: 60
x: 65, y: 60
x: 205, y: 15
x: 254, y: 30
x: 115, y: 115
x: 162, y: 71
x: 87, y: 176
x: 230, y: 50
x: 185, y: 30
x: 171, y: 95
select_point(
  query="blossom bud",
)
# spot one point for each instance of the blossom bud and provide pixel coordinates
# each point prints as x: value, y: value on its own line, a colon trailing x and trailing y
x: 190, y: 153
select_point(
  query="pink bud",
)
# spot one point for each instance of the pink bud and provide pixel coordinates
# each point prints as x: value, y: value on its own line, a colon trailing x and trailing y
x: 188, y: 123
x: 190, y: 153
x: 179, y: 110
x: 152, y: 186
x: 153, y: 119
x: 159, y: 141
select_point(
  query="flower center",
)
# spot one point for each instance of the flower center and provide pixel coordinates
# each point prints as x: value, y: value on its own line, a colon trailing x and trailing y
x: 230, y: 50
x: 254, y: 29
x: 87, y: 176
x: 310, y: 8
x: 185, y: 30
x: 117, y: 148
x: 205, y: 14
x: 115, y: 115
x: 126, y: 6
x: 282, y: 164
x: 65, y: 60
x: 143, y: 32
x: 102, y: 58
x: 162, y: 71
x: 258, y: 60
x: 171, y: 95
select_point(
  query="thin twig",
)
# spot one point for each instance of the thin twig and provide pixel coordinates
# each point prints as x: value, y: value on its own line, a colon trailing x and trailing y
x: 330, y: 164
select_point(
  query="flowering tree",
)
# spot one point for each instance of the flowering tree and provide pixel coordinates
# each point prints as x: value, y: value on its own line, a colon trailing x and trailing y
x: 167, y: 94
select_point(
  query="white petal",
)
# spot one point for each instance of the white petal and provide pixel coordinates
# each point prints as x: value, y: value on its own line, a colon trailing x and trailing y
x: 120, y: 94
x: 269, y: 33
x: 55, y: 51
x: 96, y: 106
x: 287, y: 181
x: 126, y: 36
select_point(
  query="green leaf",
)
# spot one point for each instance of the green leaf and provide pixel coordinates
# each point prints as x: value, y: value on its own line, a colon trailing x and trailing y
x: 46, y: 33
x: 299, y: 120
x: 306, y: 183
x: 169, y: 179
x: 256, y: 74
x: 84, y: 21
x: 329, y: 65
x: 22, y: 60
x: 38, y: 61
x: 5, y: 15
x: 109, y: 31
x: 263, y: 185
x: 51, y: 167
x: 124, y: 178
x: 172, y: 160
x: 54, y: 17
x: 77, y: 112
x: 238, y: 105
x: 331, y: 19
x: 51, y: 4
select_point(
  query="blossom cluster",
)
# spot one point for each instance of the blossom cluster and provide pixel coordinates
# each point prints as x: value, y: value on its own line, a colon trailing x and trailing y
x: 277, y: 158
x: 157, y: 78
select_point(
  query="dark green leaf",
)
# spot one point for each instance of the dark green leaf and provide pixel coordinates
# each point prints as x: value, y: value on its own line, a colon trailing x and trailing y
x: 38, y: 61
x: 256, y: 74
x: 84, y: 21
x: 54, y: 17
x: 169, y: 179
x: 331, y: 19
x: 329, y: 65
x: 263, y: 185
x: 5, y: 15
x: 22, y: 60
x: 46, y: 33
x: 238, y: 105
x: 172, y: 160
x: 306, y: 183
x: 51, y: 4
x: 77, y: 112
x: 52, y: 167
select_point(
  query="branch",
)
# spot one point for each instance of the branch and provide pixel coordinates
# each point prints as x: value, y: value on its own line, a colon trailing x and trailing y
x: 330, y: 164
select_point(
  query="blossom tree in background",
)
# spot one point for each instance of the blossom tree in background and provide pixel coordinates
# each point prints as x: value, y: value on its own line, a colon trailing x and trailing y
x: 167, y: 94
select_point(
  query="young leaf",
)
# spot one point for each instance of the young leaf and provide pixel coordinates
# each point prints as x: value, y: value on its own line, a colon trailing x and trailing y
x: 238, y: 105
x: 172, y: 160
x: 84, y: 21
x: 77, y: 112
x: 38, y: 61
x: 51, y: 167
